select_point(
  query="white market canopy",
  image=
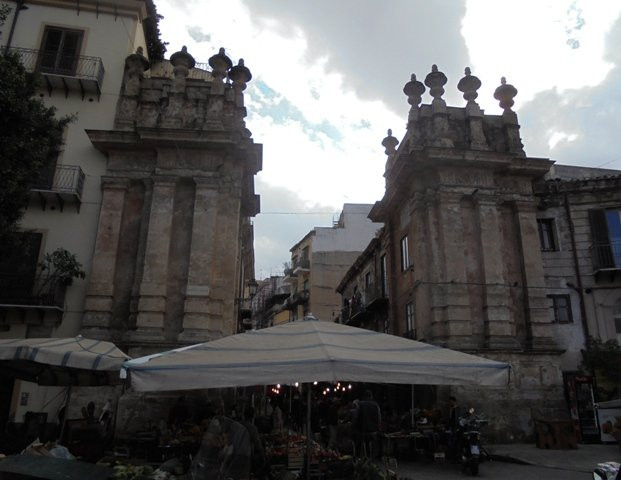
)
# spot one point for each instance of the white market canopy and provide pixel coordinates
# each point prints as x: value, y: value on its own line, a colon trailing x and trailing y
x: 61, y: 361
x: 308, y: 351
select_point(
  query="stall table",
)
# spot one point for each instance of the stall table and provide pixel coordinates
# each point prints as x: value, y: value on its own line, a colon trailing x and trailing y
x: 31, y: 467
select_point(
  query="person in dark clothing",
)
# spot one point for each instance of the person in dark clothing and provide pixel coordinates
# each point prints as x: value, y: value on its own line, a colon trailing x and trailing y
x: 179, y: 413
x: 257, y: 454
x: 453, y: 414
x: 367, y: 421
x: 332, y: 419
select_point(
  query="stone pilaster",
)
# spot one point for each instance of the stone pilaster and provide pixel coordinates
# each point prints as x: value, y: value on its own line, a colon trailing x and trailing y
x: 99, y: 296
x: 142, y: 242
x: 199, y: 307
x: 539, y: 322
x: 451, y: 294
x: 499, y: 326
x: 224, y: 286
x: 152, y: 294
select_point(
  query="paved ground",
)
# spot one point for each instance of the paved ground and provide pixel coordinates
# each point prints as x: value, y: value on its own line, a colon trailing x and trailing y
x: 488, y: 470
x: 521, y: 462
x: 583, y: 459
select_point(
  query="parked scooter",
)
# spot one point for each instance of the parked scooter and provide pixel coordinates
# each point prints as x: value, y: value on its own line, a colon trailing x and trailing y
x: 607, y: 471
x: 469, y: 448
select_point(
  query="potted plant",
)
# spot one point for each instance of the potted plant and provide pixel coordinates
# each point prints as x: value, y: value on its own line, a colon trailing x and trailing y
x: 57, y: 271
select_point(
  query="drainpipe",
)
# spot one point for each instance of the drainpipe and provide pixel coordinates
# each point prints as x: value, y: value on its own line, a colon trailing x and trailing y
x: 19, y: 6
x: 577, y: 288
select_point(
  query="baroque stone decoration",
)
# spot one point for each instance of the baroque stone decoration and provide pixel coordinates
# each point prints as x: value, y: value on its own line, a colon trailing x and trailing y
x: 464, y: 263
x: 173, y: 234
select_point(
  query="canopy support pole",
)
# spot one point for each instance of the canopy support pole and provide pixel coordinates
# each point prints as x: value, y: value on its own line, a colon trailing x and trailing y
x: 308, y: 430
x: 412, y: 409
x: 64, y: 424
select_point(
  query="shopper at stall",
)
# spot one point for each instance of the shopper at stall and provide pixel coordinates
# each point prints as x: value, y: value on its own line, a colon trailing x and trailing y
x: 257, y: 452
x: 179, y: 413
x: 332, y: 419
x: 453, y: 415
x: 225, y: 449
x: 367, y: 421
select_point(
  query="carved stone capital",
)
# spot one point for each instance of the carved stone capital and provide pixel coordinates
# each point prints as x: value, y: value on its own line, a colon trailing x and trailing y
x: 114, y: 183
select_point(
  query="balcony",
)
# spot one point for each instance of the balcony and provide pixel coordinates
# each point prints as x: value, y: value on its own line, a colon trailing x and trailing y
x: 245, y: 308
x: 301, y: 265
x: 68, y: 73
x: 41, y: 294
x: 375, y: 296
x: 606, y: 259
x: 59, y: 185
x: 290, y: 277
x: 356, y: 312
x: 300, y: 298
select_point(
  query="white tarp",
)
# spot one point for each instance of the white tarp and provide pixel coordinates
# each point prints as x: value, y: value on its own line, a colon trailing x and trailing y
x: 307, y: 351
x: 61, y: 361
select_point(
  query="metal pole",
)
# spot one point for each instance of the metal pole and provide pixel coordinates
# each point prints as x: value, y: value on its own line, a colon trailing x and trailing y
x: 412, y: 410
x: 62, y: 428
x: 19, y: 5
x: 308, y: 430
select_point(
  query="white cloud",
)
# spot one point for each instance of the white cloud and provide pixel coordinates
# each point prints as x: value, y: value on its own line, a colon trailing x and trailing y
x: 556, y: 137
x: 538, y: 44
x: 319, y: 98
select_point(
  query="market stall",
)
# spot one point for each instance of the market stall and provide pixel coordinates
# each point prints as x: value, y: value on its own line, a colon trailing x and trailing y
x: 75, y: 361
x: 63, y: 362
x: 309, y: 351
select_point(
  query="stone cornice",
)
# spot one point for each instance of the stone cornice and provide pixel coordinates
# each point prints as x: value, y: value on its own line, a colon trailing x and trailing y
x: 432, y: 159
x: 582, y: 185
x: 106, y: 140
x: 126, y: 8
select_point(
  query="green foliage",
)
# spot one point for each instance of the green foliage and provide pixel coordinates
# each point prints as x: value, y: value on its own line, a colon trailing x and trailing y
x: 62, y: 265
x: 367, y: 469
x: 4, y: 13
x: 603, y: 359
x: 31, y: 136
x: 155, y: 47
x: 131, y: 472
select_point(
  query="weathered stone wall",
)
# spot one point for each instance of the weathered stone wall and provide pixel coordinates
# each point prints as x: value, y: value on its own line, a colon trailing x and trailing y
x: 179, y: 185
x: 460, y: 187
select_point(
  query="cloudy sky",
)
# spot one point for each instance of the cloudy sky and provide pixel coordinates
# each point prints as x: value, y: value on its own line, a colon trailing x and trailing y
x: 328, y: 78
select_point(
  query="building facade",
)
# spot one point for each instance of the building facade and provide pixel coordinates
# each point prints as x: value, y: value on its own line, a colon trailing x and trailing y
x: 364, y: 288
x: 79, y: 50
x: 269, y: 306
x: 153, y: 193
x: 321, y: 258
x: 465, y: 267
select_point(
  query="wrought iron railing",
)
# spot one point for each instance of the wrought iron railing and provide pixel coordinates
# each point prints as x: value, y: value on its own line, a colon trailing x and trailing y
x: 79, y: 66
x: 245, y: 307
x: 62, y: 179
x: 26, y: 290
x: 606, y: 255
x: 374, y: 293
x: 301, y: 297
x: 303, y: 263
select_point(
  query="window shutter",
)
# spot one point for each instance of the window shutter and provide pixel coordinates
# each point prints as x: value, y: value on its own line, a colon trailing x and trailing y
x: 601, y: 240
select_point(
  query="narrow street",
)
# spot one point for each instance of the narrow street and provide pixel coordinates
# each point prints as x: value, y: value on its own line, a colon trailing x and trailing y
x: 489, y: 470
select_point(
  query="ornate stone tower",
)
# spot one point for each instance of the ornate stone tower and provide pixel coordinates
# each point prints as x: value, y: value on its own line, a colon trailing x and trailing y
x: 174, y: 238
x: 466, y: 267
